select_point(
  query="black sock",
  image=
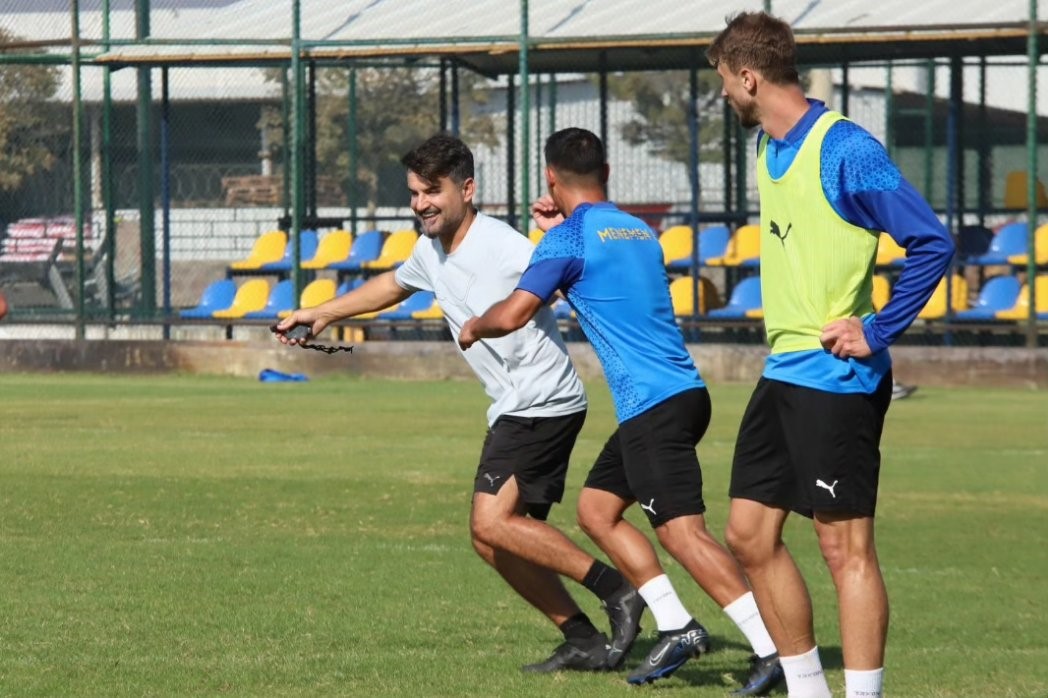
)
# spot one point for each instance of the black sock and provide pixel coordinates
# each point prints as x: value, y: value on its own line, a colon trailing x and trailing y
x: 578, y: 627
x: 602, y: 580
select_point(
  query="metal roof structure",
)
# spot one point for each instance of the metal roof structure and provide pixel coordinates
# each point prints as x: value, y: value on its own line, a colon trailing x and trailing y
x: 570, y: 35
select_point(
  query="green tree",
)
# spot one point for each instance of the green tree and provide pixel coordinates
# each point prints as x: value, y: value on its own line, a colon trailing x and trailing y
x: 28, y: 124
x: 660, y: 100
x: 397, y: 107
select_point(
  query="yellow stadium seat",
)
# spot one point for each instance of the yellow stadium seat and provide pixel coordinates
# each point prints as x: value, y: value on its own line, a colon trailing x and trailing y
x: 744, y: 248
x: 395, y: 250
x: 1021, y: 310
x: 433, y: 312
x: 315, y: 293
x: 1040, y: 246
x: 268, y: 248
x: 935, y: 308
x: 333, y: 247
x: 250, y: 298
x: 1015, y: 185
x: 536, y: 235
x: 882, y: 291
x: 755, y: 314
x: 677, y: 243
x: 889, y: 252
x: 681, y: 296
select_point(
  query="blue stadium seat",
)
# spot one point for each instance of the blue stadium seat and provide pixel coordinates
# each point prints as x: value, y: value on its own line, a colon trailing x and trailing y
x: 1009, y: 240
x: 348, y: 285
x: 281, y: 298
x: 562, y: 309
x: 365, y: 248
x: 746, y: 296
x: 308, y: 242
x: 998, y: 293
x: 420, y: 300
x: 713, y: 242
x: 217, y: 296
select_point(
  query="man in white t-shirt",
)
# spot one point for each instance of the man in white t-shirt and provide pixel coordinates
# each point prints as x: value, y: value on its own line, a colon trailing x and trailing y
x: 470, y: 261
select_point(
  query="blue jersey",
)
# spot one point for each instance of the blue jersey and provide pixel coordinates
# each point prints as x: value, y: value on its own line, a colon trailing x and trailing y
x: 866, y: 189
x: 609, y: 266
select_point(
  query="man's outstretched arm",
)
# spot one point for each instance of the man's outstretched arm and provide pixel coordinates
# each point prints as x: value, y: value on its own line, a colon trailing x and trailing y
x: 506, y: 316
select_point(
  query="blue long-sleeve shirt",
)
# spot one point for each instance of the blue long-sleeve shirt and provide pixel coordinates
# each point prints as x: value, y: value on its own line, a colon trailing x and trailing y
x: 866, y: 189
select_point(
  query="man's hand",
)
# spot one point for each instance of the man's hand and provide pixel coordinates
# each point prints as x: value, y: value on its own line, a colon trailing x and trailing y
x: 844, y: 338
x: 307, y: 316
x: 467, y: 336
x: 545, y: 213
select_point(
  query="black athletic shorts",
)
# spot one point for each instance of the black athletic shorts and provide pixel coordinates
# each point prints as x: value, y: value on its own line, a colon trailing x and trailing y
x: 651, y: 458
x: 535, y: 450
x: 810, y: 450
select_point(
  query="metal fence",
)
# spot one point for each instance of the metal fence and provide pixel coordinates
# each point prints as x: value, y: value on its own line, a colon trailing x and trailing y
x: 178, y: 171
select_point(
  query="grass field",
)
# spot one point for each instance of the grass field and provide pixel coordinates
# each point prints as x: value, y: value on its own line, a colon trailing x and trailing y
x: 208, y: 536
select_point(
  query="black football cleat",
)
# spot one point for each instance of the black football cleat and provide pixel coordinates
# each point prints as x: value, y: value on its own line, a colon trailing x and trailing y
x: 624, y: 611
x: 575, y: 655
x: 670, y: 652
x: 765, y: 674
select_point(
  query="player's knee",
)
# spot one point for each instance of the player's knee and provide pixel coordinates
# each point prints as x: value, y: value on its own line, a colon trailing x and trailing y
x: 593, y: 522
x: 745, y: 544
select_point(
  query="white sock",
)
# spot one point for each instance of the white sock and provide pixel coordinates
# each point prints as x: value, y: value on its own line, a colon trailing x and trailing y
x: 664, y: 603
x: 863, y: 684
x: 804, y: 675
x: 743, y: 611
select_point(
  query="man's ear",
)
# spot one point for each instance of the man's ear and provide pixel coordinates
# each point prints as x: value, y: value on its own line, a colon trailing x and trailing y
x: 749, y: 79
x: 551, y: 177
x: 605, y: 174
x: 469, y: 188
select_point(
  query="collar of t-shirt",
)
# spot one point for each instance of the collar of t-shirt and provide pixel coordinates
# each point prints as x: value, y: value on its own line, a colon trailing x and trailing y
x: 782, y: 152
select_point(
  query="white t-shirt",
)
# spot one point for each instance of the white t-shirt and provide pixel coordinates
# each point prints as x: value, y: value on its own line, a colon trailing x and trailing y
x: 527, y: 373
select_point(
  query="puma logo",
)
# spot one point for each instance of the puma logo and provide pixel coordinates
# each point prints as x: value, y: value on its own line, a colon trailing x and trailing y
x: 491, y: 478
x: 828, y: 488
x: 650, y: 506
x: 779, y: 234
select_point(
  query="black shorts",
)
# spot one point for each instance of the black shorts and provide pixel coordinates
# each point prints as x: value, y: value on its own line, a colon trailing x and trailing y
x: 534, y: 450
x: 810, y: 450
x: 651, y: 458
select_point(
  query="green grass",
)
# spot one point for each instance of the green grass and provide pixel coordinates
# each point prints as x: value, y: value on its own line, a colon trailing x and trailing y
x: 184, y: 535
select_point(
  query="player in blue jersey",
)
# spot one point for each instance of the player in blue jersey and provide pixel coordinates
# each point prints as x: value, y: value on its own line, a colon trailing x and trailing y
x: 609, y: 266
x: 809, y: 440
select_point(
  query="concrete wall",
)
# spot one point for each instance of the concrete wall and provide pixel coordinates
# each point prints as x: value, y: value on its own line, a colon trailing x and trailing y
x: 937, y: 366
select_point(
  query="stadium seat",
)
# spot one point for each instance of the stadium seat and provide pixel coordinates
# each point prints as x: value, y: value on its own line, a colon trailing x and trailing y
x: 217, y: 296
x: 333, y: 247
x: 973, y: 240
x: 997, y: 293
x: 677, y: 245
x: 251, y: 296
x: 935, y: 308
x: 416, y: 302
x: 307, y: 244
x: 1015, y: 191
x: 281, y: 298
x: 348, y: 285
x: 536, y: 235
x: 745, y: 297
x: 1009, y: 240
x: 1021, y: 309
x: 395, y: 250
x: 268, y: 248
x: 882, y: 291
x: 365, y: 248
x: 713, y: 243
x: 433, y: 312
x: 1040, y: 247
x: 683, y: 302
x: 315, y: 293
x: 889, y: 253
x: 743, y: 249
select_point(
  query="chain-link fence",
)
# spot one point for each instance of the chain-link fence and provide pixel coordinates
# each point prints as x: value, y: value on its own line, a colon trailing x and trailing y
x: 187, y: 185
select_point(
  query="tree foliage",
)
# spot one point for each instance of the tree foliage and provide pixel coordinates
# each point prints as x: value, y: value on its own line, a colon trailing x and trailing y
x: 28, y: 127
x: 397, y: 108
x: 661, y: 103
